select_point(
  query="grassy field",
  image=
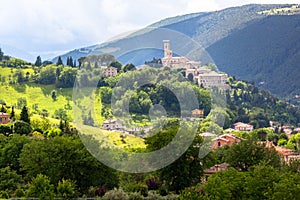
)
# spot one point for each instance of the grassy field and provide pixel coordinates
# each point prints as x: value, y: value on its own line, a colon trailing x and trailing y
x: 5, y: 71
x: 116, y: 139
x: 40, y: 96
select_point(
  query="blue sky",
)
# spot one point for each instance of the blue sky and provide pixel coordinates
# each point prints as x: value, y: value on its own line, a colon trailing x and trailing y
x: 48, y: 27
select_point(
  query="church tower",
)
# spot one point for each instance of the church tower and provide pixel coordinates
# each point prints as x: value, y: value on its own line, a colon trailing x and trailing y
x: 167, y: 51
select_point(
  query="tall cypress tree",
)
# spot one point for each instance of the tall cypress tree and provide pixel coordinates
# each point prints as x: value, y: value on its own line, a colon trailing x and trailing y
x: 38, y: 61
x: 12, y: 114
x: 71, y: 61
x: 24, y: 115
x: 1, y: 54
x: 59, y: 61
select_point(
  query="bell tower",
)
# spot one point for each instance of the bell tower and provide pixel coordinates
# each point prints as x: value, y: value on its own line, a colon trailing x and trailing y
x: 167, y: 51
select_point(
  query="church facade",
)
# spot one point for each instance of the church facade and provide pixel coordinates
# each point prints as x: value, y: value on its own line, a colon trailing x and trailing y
x: 202, y: 76
x: 169, y: 61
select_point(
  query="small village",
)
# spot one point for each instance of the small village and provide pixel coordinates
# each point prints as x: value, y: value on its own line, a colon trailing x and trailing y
x: 205, y: 78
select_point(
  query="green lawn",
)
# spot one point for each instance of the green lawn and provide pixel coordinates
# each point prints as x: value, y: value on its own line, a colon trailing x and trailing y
x: 38, y: 95
x: 116, y: 139
x: 5, y: 71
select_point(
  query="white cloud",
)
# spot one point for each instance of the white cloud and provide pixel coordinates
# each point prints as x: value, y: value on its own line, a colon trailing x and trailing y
x: 198, y: 6
x: 55, y: 25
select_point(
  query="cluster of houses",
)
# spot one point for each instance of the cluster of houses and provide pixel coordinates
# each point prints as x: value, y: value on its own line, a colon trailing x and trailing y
x: 202, y: 76
x: 230, y: 139
x: 117, y: 125
x: 287, y: 130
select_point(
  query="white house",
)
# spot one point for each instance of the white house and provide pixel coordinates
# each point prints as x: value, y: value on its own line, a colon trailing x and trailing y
x: 240, y: 126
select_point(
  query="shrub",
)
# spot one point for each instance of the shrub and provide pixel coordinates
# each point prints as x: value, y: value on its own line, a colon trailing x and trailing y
x: 153, y: 183
x: 37, y: 134
x: 19, y: 192
x: 4, y: 194
x: 22, y: 128
x: 100, y: 191
x: 190, y: 193
x: 152, y: 195
x: 171, y: 197
x: 54, y: 132
x: 41, y: 188
x: 9, y: 179
x: 6, y: 129
x: 66, y: 189
x: 115, y: 194
x: 135, y: 196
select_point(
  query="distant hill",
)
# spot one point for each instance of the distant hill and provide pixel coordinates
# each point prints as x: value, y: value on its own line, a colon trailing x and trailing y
x: 258, y: 43
x: 17, y: 53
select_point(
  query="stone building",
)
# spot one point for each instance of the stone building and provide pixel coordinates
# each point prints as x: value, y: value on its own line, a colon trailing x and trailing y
x: 198, y: 113
x: 225, y: 139
x: 240, y: 126
x: 207, y: 78
x: 108, y: 71
x: 4, y: 118
x: 204, y: 77
x: 287, y: 154
x: 169, y: 61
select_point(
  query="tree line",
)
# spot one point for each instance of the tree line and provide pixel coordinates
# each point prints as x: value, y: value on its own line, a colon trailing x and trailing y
x: 60, y: 166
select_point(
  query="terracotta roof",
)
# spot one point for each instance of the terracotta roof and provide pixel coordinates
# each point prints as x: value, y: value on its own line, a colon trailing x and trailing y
x: 223, y: 137
x: 4, y: 114
x: 198, y: 111
x: 281, y: 150
x: 220, y: 138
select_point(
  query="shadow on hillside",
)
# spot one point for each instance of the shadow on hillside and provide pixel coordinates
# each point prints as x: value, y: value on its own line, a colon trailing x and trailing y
x: 21, y: 88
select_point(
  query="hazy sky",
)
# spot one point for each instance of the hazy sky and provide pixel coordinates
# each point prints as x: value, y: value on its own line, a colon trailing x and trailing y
x: 41, y: 26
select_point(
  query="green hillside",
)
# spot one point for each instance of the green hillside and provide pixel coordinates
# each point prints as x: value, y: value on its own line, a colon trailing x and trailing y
x: 266, y: 51
x: 37, y: 97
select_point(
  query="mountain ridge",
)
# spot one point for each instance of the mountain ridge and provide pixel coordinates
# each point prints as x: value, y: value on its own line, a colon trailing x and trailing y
x: 239, y: 40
